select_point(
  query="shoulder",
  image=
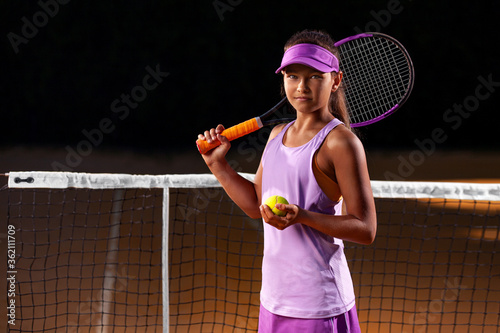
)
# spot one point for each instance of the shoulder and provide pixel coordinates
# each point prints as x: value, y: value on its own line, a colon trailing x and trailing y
x: 342, y: 149
x: 342, y: 139
x: 276, y: 130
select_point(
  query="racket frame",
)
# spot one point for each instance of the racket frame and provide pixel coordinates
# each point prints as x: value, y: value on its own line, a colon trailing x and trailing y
x: 411, y: 74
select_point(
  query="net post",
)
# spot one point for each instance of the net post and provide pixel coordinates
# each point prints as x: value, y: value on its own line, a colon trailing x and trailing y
x: 164, y: 253
x: 111, y: 261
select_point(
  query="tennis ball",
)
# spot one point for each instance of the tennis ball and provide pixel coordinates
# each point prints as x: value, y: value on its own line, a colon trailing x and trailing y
x: 273, y: 200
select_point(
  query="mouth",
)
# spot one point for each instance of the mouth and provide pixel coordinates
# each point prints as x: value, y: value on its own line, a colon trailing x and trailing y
x: 302, y: 98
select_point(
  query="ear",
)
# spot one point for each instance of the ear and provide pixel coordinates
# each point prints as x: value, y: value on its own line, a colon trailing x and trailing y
x: 337, y: 80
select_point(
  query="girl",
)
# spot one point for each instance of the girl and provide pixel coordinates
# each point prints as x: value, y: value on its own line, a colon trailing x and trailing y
x: 317, y: 163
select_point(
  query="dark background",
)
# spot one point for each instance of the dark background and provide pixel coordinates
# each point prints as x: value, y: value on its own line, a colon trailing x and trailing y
x: 64, y: 77
x: 86, y: 54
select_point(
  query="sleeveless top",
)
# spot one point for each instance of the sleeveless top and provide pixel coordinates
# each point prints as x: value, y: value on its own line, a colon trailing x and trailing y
x: 304, y: 271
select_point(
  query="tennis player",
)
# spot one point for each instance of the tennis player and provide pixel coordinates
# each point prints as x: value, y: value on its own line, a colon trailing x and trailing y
x: 318, y: 164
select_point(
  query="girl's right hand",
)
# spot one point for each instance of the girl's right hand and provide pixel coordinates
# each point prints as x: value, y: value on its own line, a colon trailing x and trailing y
x: 219, y: 153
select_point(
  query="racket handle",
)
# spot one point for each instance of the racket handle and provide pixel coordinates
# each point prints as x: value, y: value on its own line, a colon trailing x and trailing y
x: 231, y: 133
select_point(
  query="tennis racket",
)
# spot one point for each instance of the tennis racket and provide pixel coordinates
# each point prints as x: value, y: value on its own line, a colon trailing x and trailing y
x: 378, y: 77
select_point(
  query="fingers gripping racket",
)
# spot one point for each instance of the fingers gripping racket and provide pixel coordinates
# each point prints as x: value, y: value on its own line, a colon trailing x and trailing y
x: 378, y: 77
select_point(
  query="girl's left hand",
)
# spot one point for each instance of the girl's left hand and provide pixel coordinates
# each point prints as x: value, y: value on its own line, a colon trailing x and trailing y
x: 280, y: 222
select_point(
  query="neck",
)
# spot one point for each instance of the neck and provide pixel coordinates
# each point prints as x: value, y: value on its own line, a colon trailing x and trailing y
x: 312, y: 120
x: 305, y: 128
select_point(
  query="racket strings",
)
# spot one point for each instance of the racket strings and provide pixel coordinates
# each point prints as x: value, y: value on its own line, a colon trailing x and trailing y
x: 374, y: 87
x: 379, y: 69
x: 376, y: 75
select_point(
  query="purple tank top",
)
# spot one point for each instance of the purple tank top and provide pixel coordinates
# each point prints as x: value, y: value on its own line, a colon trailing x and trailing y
x: 304, y: 272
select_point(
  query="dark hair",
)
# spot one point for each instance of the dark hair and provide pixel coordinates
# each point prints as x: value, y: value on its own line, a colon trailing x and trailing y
x: 337, y: 104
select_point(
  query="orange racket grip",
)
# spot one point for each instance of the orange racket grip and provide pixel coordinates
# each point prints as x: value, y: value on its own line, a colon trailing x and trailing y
x: 231, y: 133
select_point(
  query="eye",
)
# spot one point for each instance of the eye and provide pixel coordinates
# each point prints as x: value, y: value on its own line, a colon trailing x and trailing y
x: 317, y: 76
x: 291, y: 76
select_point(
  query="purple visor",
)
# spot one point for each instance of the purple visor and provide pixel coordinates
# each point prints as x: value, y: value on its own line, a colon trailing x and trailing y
x: 310, y: 55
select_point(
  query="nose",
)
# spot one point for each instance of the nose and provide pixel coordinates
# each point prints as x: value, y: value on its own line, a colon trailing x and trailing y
x: 302, y: 87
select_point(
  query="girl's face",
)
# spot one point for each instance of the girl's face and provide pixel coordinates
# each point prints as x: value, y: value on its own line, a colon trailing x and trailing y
x: 307, y: 89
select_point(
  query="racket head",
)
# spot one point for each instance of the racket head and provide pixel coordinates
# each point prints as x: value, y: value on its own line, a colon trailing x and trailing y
x: 378, y: 76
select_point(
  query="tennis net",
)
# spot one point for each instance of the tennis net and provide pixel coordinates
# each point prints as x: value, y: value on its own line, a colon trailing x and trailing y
x: 107, y: 252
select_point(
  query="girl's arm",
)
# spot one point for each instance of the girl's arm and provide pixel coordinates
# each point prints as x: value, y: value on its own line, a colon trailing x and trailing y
x: 246, y: 194
x: 345, y: 154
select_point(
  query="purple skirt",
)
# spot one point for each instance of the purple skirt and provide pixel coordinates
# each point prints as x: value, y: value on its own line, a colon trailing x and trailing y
x: 344, y: 323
